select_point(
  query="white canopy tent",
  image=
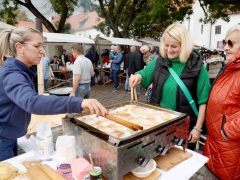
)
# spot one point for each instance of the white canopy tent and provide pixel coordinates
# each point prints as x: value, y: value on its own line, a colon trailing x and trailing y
x: 55, y: 42
x: 5, y: 26
x: 120, y: 41
x: 150, y: 41
x: 66, y: 38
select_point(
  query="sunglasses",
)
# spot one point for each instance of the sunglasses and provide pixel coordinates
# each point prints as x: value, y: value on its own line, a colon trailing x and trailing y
x: 228, y: 42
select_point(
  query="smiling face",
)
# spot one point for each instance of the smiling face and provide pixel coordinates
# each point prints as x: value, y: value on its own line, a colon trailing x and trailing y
x: 232, y: 46
x: 172, y: 47
x: 31, y: 51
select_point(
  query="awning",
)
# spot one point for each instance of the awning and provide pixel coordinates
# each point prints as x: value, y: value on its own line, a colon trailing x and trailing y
x: 66, y: 38
x: 118, y: 41
x: 150, y: 41
x: 6, y: 26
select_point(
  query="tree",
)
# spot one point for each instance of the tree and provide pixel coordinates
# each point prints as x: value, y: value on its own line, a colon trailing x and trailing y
x: 141, y: 17
x: 64, y: 8
x: 8, y: 12
x: 215, y: 9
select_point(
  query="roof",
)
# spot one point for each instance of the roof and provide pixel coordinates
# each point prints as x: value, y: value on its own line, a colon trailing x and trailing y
x: 29, y: 24
x: 150, y: 41
x: 4, y: 25
x: 120, y: 41
x: 82, y: 21
x: 73, y: 38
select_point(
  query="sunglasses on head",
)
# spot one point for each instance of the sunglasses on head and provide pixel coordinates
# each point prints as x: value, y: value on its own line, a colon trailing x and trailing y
x: 228, y: 42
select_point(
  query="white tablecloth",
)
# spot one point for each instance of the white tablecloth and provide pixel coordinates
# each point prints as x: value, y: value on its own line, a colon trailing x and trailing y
x: 182, y: 171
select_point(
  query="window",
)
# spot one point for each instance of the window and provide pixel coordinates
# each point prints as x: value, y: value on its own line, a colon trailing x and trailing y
x: 202, y: 29
x: 218, y: 29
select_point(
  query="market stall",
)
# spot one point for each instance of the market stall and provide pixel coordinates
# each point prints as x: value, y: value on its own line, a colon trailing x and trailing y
x: 55, y: 42
x: 150, y: 41
x: 5, y: 26
x: 103, y: 42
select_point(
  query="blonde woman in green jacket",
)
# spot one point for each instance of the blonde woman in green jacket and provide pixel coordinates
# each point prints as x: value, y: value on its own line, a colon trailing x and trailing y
x: 176, y: 51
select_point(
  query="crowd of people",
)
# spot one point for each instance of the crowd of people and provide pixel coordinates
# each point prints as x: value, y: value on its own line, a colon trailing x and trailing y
x: 170, y: 73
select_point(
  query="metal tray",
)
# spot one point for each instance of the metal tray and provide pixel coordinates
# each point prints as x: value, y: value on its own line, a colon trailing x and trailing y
x: 120, y: 141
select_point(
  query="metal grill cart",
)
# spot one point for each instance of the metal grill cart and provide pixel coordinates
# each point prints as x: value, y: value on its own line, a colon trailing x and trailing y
x: 117, y: 156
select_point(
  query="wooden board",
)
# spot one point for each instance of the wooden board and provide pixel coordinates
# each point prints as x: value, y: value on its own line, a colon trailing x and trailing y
x: 54, y: 120
x: 173, y: 157
x: 155, y: 175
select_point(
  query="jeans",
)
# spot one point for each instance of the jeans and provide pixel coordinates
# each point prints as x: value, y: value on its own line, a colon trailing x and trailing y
x: 83, y: 90
x: 8, y: 148
x: 45, y: 84
x: 127, y: 88
x: 115, y: 74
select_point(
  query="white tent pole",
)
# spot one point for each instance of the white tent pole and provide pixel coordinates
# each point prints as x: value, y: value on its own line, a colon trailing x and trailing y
x: 40, y: 65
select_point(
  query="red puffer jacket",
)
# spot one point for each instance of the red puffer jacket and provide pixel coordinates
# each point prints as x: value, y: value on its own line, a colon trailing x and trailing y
x: 223, y: 112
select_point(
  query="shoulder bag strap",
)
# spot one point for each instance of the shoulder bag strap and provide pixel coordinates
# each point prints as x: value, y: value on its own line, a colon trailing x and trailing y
x: 184, y: 89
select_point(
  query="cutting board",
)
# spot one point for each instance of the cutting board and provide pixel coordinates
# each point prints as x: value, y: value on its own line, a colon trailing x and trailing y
x: 173, y: 157
x: 129, y: 176
x: 155, y: 175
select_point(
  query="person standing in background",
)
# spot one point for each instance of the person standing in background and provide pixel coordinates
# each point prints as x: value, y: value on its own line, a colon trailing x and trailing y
x: 116, y: 66
x: 136, y: 64
x: 147, y: 55
x: 23, y: 48
x: 82, y: 73
x: 46, y: 63
x: 128, y: 58
x: 63, y: 58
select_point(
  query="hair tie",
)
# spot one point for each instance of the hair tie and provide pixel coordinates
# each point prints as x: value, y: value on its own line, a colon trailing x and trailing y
x: 9, y: 34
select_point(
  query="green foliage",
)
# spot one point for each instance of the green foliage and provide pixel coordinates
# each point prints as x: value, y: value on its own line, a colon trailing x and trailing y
x: 143, y: 17
x: 8, y: 12
x: 215, y: 9
x: 57, y: 6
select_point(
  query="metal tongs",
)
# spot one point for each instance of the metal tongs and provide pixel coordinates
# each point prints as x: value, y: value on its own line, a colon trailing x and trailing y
x: 133, y: 94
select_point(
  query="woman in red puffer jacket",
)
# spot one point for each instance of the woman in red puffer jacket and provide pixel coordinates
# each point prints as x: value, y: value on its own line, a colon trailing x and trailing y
x: 223, y: 114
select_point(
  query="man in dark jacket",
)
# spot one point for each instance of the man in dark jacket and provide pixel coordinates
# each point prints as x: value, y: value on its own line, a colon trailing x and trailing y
x: 135, y: 64
x: 126, y: 66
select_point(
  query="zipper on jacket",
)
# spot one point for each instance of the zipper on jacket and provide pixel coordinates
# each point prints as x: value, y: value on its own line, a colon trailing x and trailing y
x: 224, y: 135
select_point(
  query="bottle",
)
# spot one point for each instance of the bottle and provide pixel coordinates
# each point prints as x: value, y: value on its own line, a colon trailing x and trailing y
x: 95, y: 173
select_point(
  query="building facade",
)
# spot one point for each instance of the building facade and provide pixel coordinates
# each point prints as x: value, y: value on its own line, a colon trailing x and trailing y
x: 208, y: 35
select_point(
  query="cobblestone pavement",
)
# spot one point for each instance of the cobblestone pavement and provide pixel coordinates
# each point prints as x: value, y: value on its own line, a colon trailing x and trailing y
x: 104, y: 94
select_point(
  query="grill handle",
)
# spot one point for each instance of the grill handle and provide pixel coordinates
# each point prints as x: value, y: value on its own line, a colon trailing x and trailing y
x: 142, y: 161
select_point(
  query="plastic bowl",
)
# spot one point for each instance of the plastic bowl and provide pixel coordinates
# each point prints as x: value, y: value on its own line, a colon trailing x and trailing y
x: 145, y: 171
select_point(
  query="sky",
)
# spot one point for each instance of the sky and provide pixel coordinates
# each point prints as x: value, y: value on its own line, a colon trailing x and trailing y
x: 45, y: 8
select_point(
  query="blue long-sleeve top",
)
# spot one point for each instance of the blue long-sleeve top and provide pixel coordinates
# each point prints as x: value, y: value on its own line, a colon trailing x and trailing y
x: 117, y: 60
x: 18, y: 99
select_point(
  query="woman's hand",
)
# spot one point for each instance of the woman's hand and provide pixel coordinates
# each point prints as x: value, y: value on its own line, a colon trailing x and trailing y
x: 94, y: 106
x: 135, y: 80
x: 194, y: 136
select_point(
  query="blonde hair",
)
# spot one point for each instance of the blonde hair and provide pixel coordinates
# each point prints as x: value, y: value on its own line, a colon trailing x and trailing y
x: 233, y: 29
x: 180, y: 33
x: 8, y: 39
x: 79, y: 48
